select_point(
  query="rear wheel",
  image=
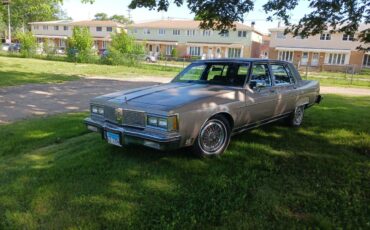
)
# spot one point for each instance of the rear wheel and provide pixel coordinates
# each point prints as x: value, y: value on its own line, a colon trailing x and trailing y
x: 213, y: 138
x: 296, y: 118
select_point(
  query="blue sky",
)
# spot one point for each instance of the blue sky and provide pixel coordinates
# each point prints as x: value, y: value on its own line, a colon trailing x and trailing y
x: 79, y: 11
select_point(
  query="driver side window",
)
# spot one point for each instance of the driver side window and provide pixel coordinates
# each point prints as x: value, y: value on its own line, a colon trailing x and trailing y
x: 260, y: 76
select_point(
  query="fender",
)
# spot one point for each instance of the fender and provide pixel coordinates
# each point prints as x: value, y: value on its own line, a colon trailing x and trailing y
x: 302, y: 101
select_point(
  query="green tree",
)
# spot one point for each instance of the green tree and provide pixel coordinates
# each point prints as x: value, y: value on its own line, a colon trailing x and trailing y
x: 121, y: 19
x: 335, y: 15
x: 80, y: 45
x: 101, y: 17
x: 28, y: 43
x: 25, y: 11
x: 124, y: 50
x: 174, y: 53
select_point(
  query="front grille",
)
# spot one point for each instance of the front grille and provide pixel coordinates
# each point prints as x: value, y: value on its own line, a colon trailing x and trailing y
x: 110, y: 114
x: 133, y: 118
x: 127, y: 117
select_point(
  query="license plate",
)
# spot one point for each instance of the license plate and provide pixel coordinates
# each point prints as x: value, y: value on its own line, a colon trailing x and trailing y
x: 113, y: 139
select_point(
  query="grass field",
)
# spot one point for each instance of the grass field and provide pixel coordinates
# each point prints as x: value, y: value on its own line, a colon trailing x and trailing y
x: 56, y: 175
x: 18, y: 71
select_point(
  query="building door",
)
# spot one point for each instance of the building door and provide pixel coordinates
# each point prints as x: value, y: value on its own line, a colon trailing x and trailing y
x: 366, y: 62
x: 304, y: 58
x: 315, y: 59
x: 210, y: 52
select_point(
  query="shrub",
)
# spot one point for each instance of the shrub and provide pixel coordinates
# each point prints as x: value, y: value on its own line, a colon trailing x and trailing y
x: 174, y: 53
x: 123, y: 50
x: 80, y: 46
x: 28, y: 44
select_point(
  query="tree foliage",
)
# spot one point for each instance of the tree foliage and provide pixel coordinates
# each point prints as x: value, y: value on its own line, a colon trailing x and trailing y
x: 322, y: 15
x: 117, y: 18
x: 28, y: 44
x: 124, y: 50
x: 80, y: 45
x: 100, y: 16
x: 25, y: 11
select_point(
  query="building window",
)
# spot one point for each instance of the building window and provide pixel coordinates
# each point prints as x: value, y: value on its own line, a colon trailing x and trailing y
x: 190, y: 32
x: 109, y: 29
x: 161, y: 31
x: 348, y: 37
x: 105, y: 44
x: 234, y: 53
x: 62, y: 43
x: 325, y: 37
x: 99, y: 28
x: 242, y: 34
x: 224, y: 34
x: 56, y: 27
x: 366, y: 62
x: 45, y: 27
x: 65, y: 27
x: 96, y: 44
x: 280, y: 35
x: 169, y: 49
x: 194, y: 51
x: 336, y: 59
x: 40, y: 40
x: 176, y: 32
x: 134, y: 31
x: 35, y: 27
x: 146, y: 31
x: 285, y: 56
x: 206, y: 33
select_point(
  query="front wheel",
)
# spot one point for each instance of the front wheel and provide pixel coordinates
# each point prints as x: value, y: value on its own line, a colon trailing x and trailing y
x: 296, y: 118
x: 213, y: 138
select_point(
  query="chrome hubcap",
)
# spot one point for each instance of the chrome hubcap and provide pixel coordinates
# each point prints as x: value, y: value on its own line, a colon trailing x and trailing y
x: 298, y: 115
x: 213, y: 136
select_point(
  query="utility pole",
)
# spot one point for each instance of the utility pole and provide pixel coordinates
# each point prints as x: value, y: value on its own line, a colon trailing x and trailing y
x: 7, y: 2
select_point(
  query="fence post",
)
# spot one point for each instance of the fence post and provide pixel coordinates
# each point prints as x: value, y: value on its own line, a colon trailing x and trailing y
x: 353, y: 71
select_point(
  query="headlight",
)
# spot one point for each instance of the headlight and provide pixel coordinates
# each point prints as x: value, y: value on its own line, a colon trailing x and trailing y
x: 97, y: 109
x: 152, y: 121
x: 167, y: 123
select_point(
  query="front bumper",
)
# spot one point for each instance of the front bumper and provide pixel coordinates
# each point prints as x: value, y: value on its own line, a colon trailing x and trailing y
x: 128, y: 135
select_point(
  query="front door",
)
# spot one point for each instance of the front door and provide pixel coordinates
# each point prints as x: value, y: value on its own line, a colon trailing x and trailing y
x: 261, y: 96
x: 304, y: 59
x: 210, y: 53
x: 315, y: 59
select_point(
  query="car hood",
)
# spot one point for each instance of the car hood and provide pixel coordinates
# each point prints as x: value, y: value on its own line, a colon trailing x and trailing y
x: 165, y: 96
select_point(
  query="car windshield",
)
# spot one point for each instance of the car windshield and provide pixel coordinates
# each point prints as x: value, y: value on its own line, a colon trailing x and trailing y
x: 232, y: 74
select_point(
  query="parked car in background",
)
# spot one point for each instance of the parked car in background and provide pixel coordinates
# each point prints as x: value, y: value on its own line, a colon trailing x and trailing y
x: 14, y: 47
x: 5, y: 46
x: 150, y: 58
x: 204, y: 105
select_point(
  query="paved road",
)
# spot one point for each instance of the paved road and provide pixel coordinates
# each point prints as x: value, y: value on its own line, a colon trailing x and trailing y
x: 25, y: 101
x: 43, y: 99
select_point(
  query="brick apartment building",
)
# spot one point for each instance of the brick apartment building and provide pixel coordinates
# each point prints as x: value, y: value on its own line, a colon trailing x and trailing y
x: 162, y: 36
x: 325, y: 51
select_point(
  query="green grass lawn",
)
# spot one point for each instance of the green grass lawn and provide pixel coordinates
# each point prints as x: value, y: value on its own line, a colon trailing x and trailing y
x: 361, y: 80
x: 17, y: 71
x: 56, y: 175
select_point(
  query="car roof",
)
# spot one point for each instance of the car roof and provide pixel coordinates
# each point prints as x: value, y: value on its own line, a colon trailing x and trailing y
x: 238, y: 60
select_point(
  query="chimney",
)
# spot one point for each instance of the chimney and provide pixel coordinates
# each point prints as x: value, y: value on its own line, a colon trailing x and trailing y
x: 252, y: 24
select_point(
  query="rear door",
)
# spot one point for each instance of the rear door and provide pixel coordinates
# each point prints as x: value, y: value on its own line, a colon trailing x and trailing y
x: 286, y: 88
x: 261, y: 95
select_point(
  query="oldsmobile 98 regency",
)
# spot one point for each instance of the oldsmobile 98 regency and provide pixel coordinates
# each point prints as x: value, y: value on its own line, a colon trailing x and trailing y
x: 208, y: 102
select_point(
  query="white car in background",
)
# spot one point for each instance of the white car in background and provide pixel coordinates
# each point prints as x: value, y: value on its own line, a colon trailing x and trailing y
x: 5, y: 47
